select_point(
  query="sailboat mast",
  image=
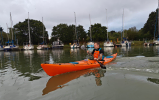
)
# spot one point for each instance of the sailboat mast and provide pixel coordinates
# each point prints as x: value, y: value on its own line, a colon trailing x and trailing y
x: 90, y: 28
x: 7, y: 31
x: 123, y: 22
x: 107, y: 24
x: 43, y: 30
x: 29, y: 29
x: 11, y: 25
x: 75, y: 25
x: 158, y: 18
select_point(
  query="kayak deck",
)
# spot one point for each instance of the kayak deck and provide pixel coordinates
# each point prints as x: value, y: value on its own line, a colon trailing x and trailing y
x: 60, y: 68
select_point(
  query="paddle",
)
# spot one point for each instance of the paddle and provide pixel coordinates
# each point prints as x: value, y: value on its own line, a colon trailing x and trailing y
x: 101, y: 65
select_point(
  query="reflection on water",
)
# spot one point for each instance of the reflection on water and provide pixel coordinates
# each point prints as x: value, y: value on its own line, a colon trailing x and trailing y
x: 42, y: 52
x: 153, y: 80
x: 57, y: 54
x: 60, y: 81
x: 74, y: 50
x: 108, y: 50
x: 90, y: 49
x: 156, y: 50
x: 28, y: 52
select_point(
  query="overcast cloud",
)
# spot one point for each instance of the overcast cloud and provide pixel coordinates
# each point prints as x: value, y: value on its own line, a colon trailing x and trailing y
x: 62, y: 11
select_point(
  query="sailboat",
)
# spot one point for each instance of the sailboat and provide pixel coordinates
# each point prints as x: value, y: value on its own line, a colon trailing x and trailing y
x: 125, y: 42
x: 108, y: 43
x: 28, y: 46
x: 10, y: 45
x: 75, y: 42
x: 91, y: 43
x: 42, y: 45
x: 156, y: 41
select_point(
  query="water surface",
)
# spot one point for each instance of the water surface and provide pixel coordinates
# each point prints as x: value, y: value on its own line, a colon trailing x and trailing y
x: 132, y: 76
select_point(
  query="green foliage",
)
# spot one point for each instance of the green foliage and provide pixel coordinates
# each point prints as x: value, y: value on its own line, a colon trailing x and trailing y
x: 36, y: 31
x: 3, y: 37
x: 99, y: 32
x: 67, y: 33
x: 149, y: 26
x: 114, y: 35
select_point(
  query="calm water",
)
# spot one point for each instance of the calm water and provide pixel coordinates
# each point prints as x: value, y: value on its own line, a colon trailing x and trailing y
x: 132, y: 76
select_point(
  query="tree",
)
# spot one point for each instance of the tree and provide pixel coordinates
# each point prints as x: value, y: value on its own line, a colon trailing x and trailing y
x: 36, y: 31
x: 67, y: 33
x: 99, y: 32
x: 150, y: 25
x: 81, y: 33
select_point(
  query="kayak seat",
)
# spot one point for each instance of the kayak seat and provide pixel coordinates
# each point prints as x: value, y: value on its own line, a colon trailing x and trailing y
x: 109, y: 56
x: 74, y: 62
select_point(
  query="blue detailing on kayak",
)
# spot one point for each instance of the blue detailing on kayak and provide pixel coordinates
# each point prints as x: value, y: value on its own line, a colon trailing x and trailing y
x: 109, y: 56
x: 74, y: 62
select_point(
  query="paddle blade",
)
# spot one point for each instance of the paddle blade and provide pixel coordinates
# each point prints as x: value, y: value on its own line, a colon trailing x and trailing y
x: 102, y: 66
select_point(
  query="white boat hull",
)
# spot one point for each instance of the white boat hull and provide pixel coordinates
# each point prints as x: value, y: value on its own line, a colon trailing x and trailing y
x: 90, y: 45
x: 11, y: 47
x: 126, y: 44
x: 28, y: 47
x: 75, y: 46
x: 40, y: 47
x: 123, y: 44
x: 108, y: 44
x: 156, y: 42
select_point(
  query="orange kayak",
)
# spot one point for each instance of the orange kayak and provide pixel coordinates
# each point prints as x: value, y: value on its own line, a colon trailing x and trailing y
x: 60, y: 68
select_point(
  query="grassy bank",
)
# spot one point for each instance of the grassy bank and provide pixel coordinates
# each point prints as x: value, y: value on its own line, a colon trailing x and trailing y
x: 137, y: 43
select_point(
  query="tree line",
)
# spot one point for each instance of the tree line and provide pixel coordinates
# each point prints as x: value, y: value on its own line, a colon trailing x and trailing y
x: 66, y: 33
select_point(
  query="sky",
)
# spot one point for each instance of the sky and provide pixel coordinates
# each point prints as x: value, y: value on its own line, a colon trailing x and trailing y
x: 54, y: 12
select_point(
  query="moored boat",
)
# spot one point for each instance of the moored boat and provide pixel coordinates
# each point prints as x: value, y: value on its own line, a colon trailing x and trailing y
x: 90, y: 45
x: 57, y: 44
x: 28, y: 46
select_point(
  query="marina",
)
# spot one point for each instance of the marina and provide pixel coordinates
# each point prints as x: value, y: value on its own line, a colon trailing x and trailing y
x: 79, y: 50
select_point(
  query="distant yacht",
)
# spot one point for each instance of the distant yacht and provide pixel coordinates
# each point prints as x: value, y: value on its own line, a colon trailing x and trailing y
x: 42, y: 45
x: 91, y: 43
x: 156, y: 41
x: 75, y: 42
x: 11, y: 45
x: 57, y: 44
x: 75, y: 45
x: 28, y: 46
x: 124, y: 42
x: 108, y: 43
